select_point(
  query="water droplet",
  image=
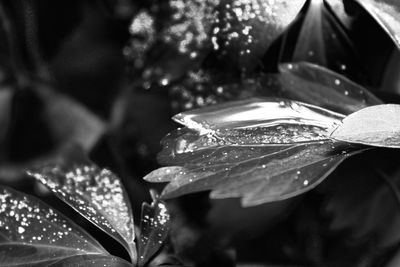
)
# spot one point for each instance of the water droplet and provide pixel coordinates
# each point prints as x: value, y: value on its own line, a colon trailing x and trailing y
x: 21, y: 230
x: 305, y: 183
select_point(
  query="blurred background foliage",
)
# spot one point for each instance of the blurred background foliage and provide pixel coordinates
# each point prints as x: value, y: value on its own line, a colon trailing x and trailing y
x: 108, y: 75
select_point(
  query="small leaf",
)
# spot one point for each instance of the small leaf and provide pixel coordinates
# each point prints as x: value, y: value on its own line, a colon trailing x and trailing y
x: 92, y: 261
x: 374, y: 126
x: 387, y: 14
x: 319, y: 86
x: 33, y: 233
x: 154, y: 228
x: 95, y: 193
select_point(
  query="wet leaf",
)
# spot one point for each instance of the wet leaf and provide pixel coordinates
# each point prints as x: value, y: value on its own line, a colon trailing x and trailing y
x: 387, y: 14
x: 32, y: 233
x: 375, y: 126
x: 257, y: 174
x: 154, y: 228
x: 256, y: 113
x: 319, y: 86
x: 95, y: 193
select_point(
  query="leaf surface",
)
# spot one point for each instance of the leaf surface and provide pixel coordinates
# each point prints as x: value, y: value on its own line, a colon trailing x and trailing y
x: 319, y: 86
x: 257, y: 174
x: 32, y: 233
x: 375, y: 126
x: 387, y: 14
x: 154, y: 228
x: 97, y: 194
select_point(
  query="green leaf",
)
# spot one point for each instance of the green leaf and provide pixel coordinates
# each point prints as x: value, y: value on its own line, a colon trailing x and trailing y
x: 319, y: 86
x: 32, y: 233
x: 154, y: 229
x: 97, y: 194
x: 375, y: 126
x: 387, y: 14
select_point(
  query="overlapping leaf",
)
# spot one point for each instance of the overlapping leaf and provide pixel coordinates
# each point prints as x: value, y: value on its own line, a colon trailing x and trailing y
x: 154, y: 228
x: 33, y: 234
x: 319, y: 86
x: 260, y: 150
x: 95, y: 193
x: 387, y: 14
x: 375, y: 126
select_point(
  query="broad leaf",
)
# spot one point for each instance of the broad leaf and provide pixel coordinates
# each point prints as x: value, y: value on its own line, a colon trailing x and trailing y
x: 257, y: 113
x: 32, y: 233
x: 154, y: 228
x: 95, y: 193
x: 387, y: 14
x: 257, y: 174
x: 374, y: 126
x: 323, y: 40
x: 319, y: 86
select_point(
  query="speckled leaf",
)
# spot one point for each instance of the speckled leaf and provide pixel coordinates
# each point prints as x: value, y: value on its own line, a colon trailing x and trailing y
x: 319, y: 86
x: 375, y: 126
x: 257, y: 174
x: 246, y: 28
x: 95, y: 193
x: 32, y: 233
x: 92, y: 261
x: 154, y: 228
x: 387, y: 14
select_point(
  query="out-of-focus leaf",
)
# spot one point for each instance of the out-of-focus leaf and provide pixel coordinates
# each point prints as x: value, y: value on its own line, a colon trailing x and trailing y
x: 91, y: 261
x: 69, y: 121
x: 322, y: 40
x: 33, y: 234
x: 95, y: 193
x: 257, y: 174
x: 319, y: 86
x: 387, y: 14
x: 245, y: 29
x: 5, y: 111
x: 154, y: 228
x: 375, y: 126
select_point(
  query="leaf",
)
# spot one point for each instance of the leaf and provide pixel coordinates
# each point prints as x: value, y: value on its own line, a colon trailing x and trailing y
x: 92, y: 261
x: 375, y: 126
x: 97, y: 194
x: 320, y: 38
x: 69, y: 121
x: 244, y: 30
x: 259, y: 177
x: 319, y: 86
x: 33, y: 233
x: 387, y: 14
x: 154, y: 228
x: 254, y: 114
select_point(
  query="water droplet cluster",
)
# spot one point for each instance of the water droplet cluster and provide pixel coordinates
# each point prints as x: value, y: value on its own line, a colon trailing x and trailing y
x: 27, y: 221
x: 96, y: 193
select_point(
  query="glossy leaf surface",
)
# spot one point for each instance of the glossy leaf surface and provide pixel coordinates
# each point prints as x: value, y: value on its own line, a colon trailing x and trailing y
x: 32, y: 233
x: 95, y: 193
x: 387, y: 14
x: 374, y: 126
x: 319, y: 86
x: 256, y: 174
x: 154, y: 228
x: 256, y: 114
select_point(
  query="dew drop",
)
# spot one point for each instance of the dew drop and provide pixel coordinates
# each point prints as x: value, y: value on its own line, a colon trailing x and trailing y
x: 21, y: 230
